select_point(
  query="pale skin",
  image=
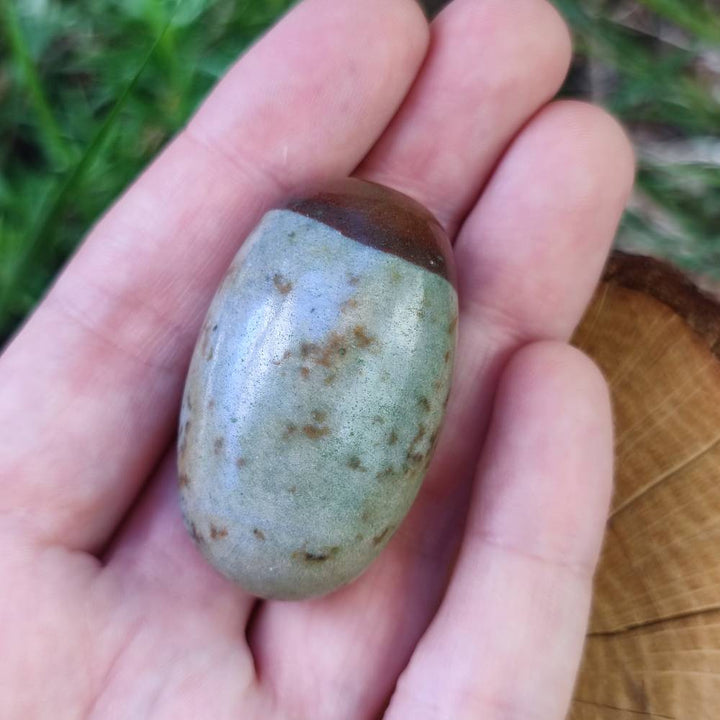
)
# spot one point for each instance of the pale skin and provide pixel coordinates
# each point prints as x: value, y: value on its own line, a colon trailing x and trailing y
x: 479, y: 605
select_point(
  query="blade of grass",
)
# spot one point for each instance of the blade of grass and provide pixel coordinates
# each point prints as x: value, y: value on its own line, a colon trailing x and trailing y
x: 56, y: 144
x: 39, y: 242
x: 701, y: 21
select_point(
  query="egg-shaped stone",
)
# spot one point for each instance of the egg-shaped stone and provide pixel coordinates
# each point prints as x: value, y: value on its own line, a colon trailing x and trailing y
x: 317, y: 390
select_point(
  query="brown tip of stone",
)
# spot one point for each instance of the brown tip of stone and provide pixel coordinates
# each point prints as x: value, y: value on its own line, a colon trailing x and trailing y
x: 384, y: 219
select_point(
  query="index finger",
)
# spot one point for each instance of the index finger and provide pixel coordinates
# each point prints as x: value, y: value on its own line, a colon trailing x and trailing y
x: 97, y: 372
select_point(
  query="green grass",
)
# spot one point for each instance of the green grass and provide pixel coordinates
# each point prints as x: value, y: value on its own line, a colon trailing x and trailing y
x: 656, y: 65
x: 89, y: 91
x: 88, y: 94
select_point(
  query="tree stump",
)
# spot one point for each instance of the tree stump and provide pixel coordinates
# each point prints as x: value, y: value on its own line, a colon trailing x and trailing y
x: 653, y: 648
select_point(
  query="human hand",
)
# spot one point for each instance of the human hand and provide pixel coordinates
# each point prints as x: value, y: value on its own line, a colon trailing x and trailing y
x: 478, y: 606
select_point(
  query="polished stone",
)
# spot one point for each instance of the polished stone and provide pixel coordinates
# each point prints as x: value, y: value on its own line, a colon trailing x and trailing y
x: 317, y: 390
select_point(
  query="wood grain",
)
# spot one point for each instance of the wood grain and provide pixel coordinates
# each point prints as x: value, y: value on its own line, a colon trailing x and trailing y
x: 653, y: 649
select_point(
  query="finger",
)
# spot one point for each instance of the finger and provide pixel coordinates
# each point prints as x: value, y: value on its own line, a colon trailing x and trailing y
x: 490, y: 67
x: 513, y: 271
x: 508, y: 637
x: 530, y: 254
x: 154, y: 554
x: 176, y: 627
x: 375, y: 622
x: 97, y: 372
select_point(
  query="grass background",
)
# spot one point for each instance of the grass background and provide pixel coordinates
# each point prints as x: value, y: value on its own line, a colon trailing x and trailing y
x: 90, y: 90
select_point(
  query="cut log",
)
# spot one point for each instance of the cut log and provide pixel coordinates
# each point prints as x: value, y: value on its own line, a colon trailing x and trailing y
x: 653, y: 649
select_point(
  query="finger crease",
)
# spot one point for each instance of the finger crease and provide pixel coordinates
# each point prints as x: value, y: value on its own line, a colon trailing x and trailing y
x: 582, y: 570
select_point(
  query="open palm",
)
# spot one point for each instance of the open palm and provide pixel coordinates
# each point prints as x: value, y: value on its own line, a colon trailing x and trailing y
x: 478, y: 607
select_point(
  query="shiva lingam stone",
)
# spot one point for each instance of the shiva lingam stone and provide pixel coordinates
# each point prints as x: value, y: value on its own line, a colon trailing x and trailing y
x: 317, y: 389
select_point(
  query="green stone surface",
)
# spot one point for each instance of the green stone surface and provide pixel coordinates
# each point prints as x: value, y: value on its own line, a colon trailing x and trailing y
x: 313, y: 401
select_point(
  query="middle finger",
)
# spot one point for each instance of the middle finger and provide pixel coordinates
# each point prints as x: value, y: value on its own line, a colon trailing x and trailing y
x: 490, y: 67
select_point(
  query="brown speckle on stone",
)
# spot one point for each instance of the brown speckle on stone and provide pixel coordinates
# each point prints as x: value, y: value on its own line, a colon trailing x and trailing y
x: 218, y: 445
x: 362, y: 339
x: 413, y: 455
x: 419, y: 435
x: 290, y: 430
x: 319, y: 416
x: 378, y: 420
x: 315, y: 557
x: 354, y: 463
x: 453, y: 325
x: 336, y: 347
x: 184, y: 480
x: 240, y: 463
x: 366, y: 515
x: 447, y: 357
x: 424, y: 404
x: 259, y: 534
x: 385, y: 474
x: 282, y: 284
x: 349, y: 305
x: 379, y: 538
x: 393, y: 438
x: 359, y: 537
x: 315, y: 432
x: 287, y: 354
x: 217, y: 533
x: 293, y: 489
x: 184, y: 437
x: 304, y: 372
x: 195, y: 534
x: 353, y: 280
x: 308, y: 349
